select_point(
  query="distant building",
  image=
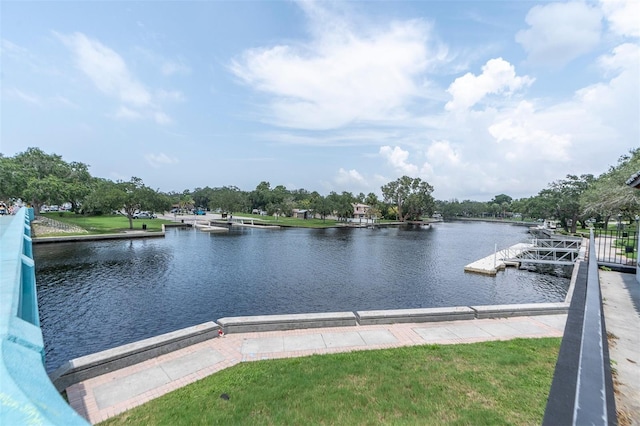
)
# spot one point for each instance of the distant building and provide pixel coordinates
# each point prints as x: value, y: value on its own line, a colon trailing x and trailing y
x: 634, y: 180
x: 360, y: 210
x: 301, y: 214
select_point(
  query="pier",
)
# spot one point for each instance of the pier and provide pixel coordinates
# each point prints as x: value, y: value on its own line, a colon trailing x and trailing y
x: 554, y: 251
x: 490, y: 265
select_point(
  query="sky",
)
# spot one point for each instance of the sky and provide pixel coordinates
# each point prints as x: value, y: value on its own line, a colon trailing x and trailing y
x: 478, y: 98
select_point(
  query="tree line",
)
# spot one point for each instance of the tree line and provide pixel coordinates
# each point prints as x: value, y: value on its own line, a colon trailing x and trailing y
x: 39, y: 178
x: 573, y: 201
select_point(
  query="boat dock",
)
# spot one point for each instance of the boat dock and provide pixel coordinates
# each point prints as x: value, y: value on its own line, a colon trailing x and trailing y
x: 555, y: 251
x: 497, y: 261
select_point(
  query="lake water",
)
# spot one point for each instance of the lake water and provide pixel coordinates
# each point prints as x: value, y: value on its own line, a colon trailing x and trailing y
x: 97, y: 295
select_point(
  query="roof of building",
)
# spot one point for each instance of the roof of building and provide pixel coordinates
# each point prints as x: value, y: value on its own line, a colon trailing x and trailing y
x: 634, y: 180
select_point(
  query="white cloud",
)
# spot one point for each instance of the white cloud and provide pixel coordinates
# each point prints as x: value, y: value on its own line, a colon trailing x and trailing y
x: 349, y: 178
x: 110, y: 74
x: 169, y: 95
x: 127, y: 114
x: 498, y: 76
x: 614, y: 105
x: 341, y: 76
x: 623, y: 16
x: 37, y: 100
x: 9, y: 48
x: 159, y: 160
x: 523, y: 137
x: 441, y: 152
x: 162, y: 118
x: 30, y: 98
x: 175, y: 67
x: 560, y: 32
x: 397, y: 158
x: 106, y: 69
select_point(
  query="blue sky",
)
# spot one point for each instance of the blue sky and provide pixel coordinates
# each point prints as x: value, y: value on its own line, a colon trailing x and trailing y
x: 478, y: 98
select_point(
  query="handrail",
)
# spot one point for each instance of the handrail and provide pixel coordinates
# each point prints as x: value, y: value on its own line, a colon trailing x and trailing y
x: 27, y: 396
x: 582, y: 388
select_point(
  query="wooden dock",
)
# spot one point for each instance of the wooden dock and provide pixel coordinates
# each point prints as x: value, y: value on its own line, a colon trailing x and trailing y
x: 493, y: 263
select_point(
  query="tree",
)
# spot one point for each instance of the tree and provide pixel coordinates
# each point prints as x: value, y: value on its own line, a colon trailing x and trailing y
x: 412, y: 197
x: 261, y: 196
x: 127, y: 197
x: 186, y: 201
x: 319, y: 205
x: 200, y: 197
x: 341, y: 204
x: 229, y: 199
x: 24, y: 176
x: 565, y: 196
x: 609, y: 195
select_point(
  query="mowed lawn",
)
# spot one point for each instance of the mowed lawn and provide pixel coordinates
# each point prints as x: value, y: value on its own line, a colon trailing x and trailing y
x: 490, y: 383
x: 106, y: 224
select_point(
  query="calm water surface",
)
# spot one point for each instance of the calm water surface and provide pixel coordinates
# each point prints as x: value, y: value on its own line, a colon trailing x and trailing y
x: 96, y: 295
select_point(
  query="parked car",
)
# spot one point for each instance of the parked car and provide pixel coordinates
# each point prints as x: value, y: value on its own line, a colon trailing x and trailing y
x: 199, y: 212
x: 144, y: 215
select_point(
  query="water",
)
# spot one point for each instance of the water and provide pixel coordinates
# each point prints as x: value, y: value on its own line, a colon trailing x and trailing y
x: 97, y: 295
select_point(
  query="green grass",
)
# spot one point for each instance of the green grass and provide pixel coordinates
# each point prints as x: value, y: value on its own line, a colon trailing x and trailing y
x: 106, y: 224
x: 491, y: 383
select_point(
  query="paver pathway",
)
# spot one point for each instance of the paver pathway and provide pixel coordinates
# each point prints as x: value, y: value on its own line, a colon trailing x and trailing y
x: 110, y: 394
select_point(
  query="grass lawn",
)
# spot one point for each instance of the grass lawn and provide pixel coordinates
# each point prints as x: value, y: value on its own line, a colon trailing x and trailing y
x: 106, y: 224
x: 490, y: 383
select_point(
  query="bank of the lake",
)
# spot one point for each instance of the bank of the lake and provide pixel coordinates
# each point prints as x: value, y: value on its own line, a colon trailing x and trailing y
x: 97, y: 295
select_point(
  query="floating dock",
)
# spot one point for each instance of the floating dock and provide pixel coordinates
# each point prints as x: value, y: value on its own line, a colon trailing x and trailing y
x: 209, y: 228
x: 493, y: 263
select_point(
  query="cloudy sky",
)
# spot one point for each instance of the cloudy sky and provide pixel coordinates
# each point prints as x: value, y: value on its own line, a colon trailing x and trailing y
x: 478, y: 98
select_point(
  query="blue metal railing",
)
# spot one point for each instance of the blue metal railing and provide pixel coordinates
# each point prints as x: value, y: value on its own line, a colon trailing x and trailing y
x: 27, y: 396
x: 582, y: 388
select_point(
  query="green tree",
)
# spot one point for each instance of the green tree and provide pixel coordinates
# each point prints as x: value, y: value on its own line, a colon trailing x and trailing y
x: 24, y: 175
x: 609, y: 195
x: 125, y: 197
x: 341, y: 204
x: 320, y: 205
x: 229, y: 199
x: 564, y: 196
x: 261, y: 196
x: 186, y: 201
x: 503, y: 201
x: 412, y: 196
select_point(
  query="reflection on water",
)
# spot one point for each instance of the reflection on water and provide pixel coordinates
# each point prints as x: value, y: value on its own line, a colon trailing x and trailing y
x: 96, y: 295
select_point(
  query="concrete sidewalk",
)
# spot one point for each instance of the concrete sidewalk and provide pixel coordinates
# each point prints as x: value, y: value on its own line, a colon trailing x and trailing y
x: 621, y: 304
x: 110, y: 394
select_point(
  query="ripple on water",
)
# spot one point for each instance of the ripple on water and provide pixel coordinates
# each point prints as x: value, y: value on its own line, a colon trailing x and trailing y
x: 96, y: 295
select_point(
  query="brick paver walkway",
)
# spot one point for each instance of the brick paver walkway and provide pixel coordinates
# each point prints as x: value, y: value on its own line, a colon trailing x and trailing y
x: 108, y: 395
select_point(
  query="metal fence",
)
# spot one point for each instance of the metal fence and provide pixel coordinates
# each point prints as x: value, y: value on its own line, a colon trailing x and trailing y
x: 582, y: 387
x: 617, y: 247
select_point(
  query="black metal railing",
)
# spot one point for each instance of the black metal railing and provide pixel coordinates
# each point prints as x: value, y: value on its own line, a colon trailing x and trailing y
x: 617, y: 247
x: 582, y: 388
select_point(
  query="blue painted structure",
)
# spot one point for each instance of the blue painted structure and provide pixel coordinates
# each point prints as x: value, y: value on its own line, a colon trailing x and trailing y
x: 27, y: 396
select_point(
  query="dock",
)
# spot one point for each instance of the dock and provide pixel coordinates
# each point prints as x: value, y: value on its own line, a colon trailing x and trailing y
x: 497, y: 261
x: 209, y: 228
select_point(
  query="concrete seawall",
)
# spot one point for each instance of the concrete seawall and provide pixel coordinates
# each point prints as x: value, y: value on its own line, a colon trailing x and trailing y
x: 99, y: 363
x: 94, y: 365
